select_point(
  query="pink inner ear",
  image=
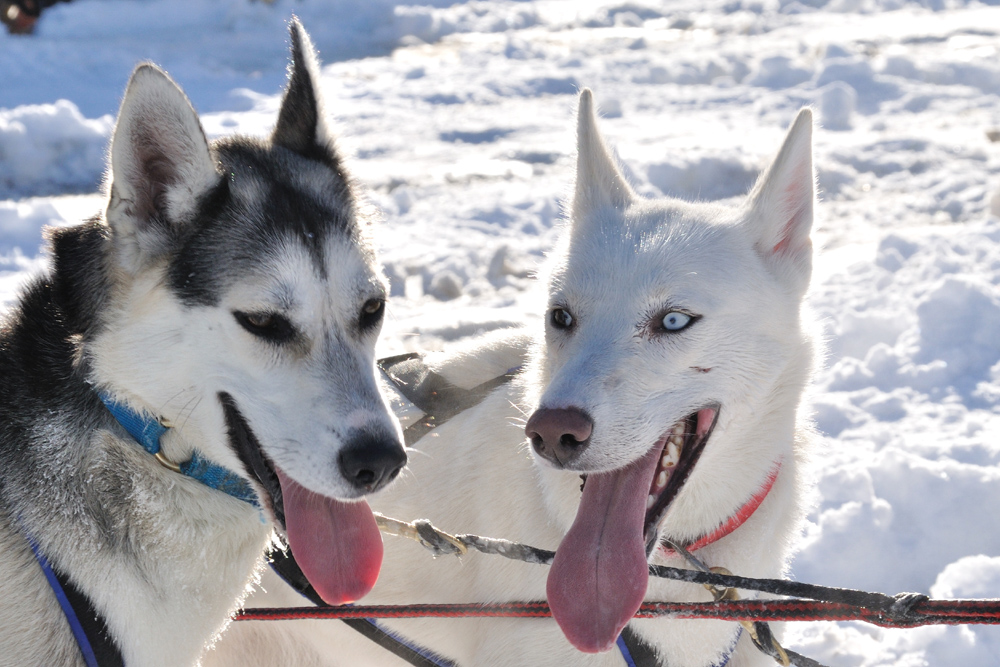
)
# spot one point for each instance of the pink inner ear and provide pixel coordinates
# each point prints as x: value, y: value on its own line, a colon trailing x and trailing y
x: 796, y: 194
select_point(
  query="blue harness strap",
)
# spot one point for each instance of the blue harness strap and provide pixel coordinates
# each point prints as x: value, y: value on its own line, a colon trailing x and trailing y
x: 88, y: 627
x: 623, y: 648
x: 147, y: 431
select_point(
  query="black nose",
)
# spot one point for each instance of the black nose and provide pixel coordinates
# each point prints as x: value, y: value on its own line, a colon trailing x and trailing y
x: 559, y: 434
x: 369, y: 461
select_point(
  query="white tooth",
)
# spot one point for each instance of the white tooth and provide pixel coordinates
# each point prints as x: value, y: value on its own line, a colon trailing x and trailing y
x: 665, y: 462
x: 661, y: 479
x: 678, y: 429
x: 649, y: 501
x: 673, y: 453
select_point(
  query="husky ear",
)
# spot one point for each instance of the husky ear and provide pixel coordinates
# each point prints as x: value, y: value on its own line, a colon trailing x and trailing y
x: 301, y: 124
x: 780, y: 206
x: 160, y: 166
x: 599, y: 182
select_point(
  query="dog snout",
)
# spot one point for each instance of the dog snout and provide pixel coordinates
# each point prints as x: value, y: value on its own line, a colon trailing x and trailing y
x: 369, y: 461
x: 559, y: 435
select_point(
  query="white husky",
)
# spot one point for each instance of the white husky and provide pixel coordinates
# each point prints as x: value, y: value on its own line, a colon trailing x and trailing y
x: 670, y: 375
x: 194, y: 372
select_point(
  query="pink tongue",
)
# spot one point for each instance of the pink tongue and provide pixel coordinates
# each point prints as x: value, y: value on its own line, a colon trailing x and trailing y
x: 598, y: 578
x: 337, y: 544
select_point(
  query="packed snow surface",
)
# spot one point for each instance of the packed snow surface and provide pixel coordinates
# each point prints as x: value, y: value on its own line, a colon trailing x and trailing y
x: 459, y: 118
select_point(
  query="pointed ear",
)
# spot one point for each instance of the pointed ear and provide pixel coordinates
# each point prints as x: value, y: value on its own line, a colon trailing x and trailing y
x: 302, y: 124
x: 780, y: 206
x: 160, y: 166
x: 599, y: 182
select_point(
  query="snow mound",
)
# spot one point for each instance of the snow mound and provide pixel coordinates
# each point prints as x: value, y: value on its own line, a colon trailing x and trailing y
x: 51, y: 148
x: 430, y: 24
x: 913, y: 382
x: 706, y: 178
x: 969, y: 577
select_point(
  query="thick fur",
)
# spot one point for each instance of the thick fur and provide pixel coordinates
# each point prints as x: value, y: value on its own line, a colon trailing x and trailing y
x: 622, y: 263
x: 140, y: 303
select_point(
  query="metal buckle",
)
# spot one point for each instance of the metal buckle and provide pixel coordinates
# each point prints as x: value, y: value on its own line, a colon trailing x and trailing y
x: 166, y: 463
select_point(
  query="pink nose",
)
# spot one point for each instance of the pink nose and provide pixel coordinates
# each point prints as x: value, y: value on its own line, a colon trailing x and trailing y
x: 559, y: 434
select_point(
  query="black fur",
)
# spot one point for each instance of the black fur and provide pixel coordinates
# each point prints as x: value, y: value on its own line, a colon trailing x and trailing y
x: 38, y: 341
x: 227, y: 237
x: 299, y: 121
x: 48, y: 409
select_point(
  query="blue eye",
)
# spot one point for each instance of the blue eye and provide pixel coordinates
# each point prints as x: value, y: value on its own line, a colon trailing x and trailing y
x: 676, y: 320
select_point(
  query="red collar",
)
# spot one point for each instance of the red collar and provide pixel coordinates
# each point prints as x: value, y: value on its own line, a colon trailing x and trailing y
x: 737, y: 519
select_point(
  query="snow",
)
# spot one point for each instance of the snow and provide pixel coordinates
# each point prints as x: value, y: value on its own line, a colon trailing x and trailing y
x: 459, y: 117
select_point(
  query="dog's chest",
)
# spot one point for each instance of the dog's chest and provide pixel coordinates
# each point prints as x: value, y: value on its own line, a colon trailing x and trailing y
x: 171, y: 558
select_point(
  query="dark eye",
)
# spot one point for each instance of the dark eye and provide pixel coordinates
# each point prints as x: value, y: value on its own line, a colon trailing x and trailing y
x: 560, y: 318
x: 675, y: 321
x: 371, y: 313
x: 269, y: 326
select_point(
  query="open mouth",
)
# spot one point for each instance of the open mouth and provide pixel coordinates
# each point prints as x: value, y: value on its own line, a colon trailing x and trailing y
x: 255, y: 461
x: 680, y: 450
x: 336, y: 543
x: 600, y: 573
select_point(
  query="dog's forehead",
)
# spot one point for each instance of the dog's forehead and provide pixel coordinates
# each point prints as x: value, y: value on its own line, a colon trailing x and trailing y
x: 289, y: 194
x: 657, y: 250
x: 276, y: 214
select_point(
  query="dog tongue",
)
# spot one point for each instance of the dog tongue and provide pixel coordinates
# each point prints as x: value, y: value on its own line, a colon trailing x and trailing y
x: 599, y: 576
x: 337, y: 544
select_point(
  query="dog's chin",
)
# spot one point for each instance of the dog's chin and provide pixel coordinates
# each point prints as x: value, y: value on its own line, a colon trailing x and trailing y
x: 600, y: 571
x: 678, y: 452
x: 256, y: 463
x: 680, y: 449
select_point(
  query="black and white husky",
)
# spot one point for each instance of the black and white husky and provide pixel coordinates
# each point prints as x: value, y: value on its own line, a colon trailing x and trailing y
x: 669, y: 376
x: 194, y: 371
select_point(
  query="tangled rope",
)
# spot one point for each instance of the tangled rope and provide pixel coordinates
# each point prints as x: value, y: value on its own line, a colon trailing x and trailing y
x: 905, y: 610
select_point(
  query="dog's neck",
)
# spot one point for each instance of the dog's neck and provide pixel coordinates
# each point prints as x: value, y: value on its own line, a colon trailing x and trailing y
x: 147, y: 431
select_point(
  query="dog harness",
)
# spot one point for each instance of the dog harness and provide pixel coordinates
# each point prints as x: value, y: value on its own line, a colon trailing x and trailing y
x: 89, y: 629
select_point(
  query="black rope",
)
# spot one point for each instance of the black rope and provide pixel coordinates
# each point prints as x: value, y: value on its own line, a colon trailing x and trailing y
x: 898, y: 608
x: 284, y: 566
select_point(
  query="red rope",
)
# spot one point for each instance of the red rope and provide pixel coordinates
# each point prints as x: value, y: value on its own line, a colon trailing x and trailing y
x: 928, y: 612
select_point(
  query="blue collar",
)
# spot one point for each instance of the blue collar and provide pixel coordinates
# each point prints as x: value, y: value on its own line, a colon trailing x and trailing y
x: 147, y: 430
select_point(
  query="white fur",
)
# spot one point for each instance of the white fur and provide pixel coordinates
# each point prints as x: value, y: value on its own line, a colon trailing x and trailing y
x: 623, y: 262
